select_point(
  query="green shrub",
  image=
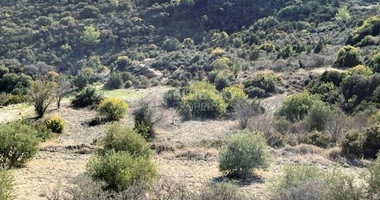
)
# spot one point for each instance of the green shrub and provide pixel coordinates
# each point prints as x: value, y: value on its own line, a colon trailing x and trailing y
x: 368, y: 40
x: 370, y: 26
x: 233, y: 95
x: 43, y: 132
x: 332, y: 76
x: 275, y: 139
x: 113, y: 108
x: 3, y: 70
x: 120, y: 170
x: 88, y: 97
x: 374, y: 179
x: 318, y: 139
x: 321, y: 88
x: 45, y: 21
x: 203, y: 101
x: 6, y: 185
x: 223, y: 79
x: 89, y: 12
x: 371, y: 145
x: 114, y: 81
x: 296, y: 176
x: 80, y: 81
x: 308, y: 182
x: 318, y: 116
x: 123, y: 63
x: 267, y: 47
x: 296, y: 106
x: 352, y: 144
x: 375, y: 61
x: 67, y: 21
x: 343, y: 15
x: 347, y: 57
x: 355, y: 89
x: 242, y: 153
x: 286, y: 52
x: 260, y: 83
x: 145, y: 117
x: 172, y: 98
x: 18, y: 143
x: 123, y: 138
x: 171, y: 44
x: 55, y: 123
x: 222, y: 63
x: 360, y: 70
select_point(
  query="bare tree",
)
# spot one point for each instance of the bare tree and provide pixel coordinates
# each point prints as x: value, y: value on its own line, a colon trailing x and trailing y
x: 243, y: 110
x: 336, y: 125
x: 42, y: 94
x: 62, y: 90
x: 147, y: 115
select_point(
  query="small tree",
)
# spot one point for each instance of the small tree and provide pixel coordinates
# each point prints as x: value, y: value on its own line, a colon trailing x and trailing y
x: 343, y: 15
x: 63, y: 89
x: 296, y: 106
x: 115, y: 81
x: 243, y: 153
x: 42, y: 94
x: 243, y: 110
x: 90, y: 35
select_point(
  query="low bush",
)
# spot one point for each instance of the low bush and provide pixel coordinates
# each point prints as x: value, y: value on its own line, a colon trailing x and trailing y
x: 6, y: 185
x: 261, y: 85
x: 55, y: 123
x: 123, y: 63
x: 318, y: 116
x: 113, y: 108
x: 360, y: 70
x: 43, y: 132
x: 371, y: 145
x: 347, y: 57
x: 352, y: 144
x: 242, y: 153
x: 275, y: 139
x: 171, y: 44
x: 123, y: 138
x: 373, y: 179
x: 172, y: 98
x: 308, y: 182
x: 89, y: 11
x: 18, y: 143
x: 370, y: 26
x: 318, y: 139
x: 375, y: 62
x: 296, y: 106
x: 88, y: 97
x: 232, y: 95
x: 203, y: 101
x: 120, y: 170
x: 114, y: 81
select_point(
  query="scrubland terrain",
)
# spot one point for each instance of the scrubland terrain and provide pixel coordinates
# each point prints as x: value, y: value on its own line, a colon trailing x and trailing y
x: 189, y: 99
